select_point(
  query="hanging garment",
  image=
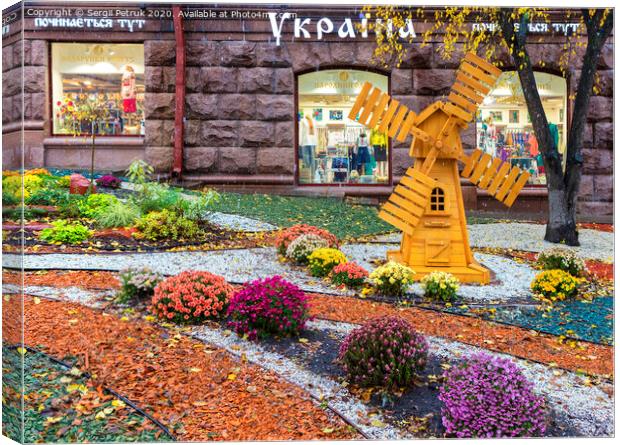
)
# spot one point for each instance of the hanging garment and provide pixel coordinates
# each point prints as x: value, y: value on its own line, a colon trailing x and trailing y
x: 533, y: 143
x: 555, y: 134
x: 128, y: 90
x: 307, y: 132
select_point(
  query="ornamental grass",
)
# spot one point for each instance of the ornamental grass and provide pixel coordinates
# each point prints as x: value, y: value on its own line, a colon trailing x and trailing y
x: 191, y: 297
x: 486, y: 396
x: 385, y: 351
x: 286, y: 236
x: 270, y: 306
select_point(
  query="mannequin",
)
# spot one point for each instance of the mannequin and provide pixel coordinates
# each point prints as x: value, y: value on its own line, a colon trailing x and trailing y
x: 128, y: 90
x: 307, y: 143
x: 379, y: 143
x: 363, y: 153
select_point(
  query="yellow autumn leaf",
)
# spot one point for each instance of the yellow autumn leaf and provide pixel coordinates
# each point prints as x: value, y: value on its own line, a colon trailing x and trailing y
x: 232, y: 376
x: 377, y: 423
x: 118, y: 403
x: 51, y: 420
x: 22, y: 351
x: 77, y: 387
x: 37, y: 300
x: 195, y: 369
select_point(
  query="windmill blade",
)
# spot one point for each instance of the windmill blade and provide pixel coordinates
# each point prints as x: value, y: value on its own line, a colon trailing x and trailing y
x: 501, y: 180
x: 374, y: 108
x: 408, y: 201
x: 474, y: 79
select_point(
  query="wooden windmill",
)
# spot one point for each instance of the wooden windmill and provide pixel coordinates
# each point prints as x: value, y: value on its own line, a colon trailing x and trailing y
x: 427, y: 204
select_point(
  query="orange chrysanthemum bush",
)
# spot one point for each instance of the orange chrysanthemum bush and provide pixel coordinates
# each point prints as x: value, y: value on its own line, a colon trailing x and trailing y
x: 191, y: 297
x: 286, y: 236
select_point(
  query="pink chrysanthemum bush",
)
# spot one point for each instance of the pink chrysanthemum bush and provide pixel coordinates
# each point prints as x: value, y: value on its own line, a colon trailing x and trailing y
x: 486, y: 396
x: 191, y: 297
x: 385, y: 351
x: 349, y: 274
x: 286, y: 236
x: 270, y: 306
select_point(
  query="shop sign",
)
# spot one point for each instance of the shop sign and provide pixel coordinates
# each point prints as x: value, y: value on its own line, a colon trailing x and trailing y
x: 130, y: 25
x: 533, y: 28
x: 302, y: 27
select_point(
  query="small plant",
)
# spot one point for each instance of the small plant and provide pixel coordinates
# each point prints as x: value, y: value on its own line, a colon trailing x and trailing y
x: 96, y: 204
x: 385, y: 351
x: 137, y: 284
x: 563, y: 259
x: 392, y: 278
x: 154, y: 197
x: 486, y: 396
x: 63, y: 232
x: 323, y: 260
x: 555, y: 285
x: 198, y: 208
x: 349, y: 274
x: 48, y: 197
x: 440, y: 286
x: 109, y: 181
x: 139, y: 171
x: 167, y: 225
x: 118, y: 214
x: 64, y: 182
x: 271, y: 306
x: 70, y: 208
x: 191, y: 297
x: 287, y: 236
x: 301, y: 247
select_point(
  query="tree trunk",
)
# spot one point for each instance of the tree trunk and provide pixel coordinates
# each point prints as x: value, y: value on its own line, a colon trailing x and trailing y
x: 562, y: 226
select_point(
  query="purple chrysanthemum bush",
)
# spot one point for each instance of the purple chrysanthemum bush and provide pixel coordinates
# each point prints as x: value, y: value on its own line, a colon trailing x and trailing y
x: 486, y: 396
x: 385, y: 351
x: 269, y: 306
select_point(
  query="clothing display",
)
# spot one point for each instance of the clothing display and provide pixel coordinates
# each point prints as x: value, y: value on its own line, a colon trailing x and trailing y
x: 380, y: 153
x: 128, y: 90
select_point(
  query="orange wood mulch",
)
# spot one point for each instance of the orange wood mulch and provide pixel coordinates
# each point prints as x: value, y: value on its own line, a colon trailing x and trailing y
x: 60, y: 278
x: 513, y: 340
x: 199, y: 392
x: 596, y: 226
x: 598, y: 269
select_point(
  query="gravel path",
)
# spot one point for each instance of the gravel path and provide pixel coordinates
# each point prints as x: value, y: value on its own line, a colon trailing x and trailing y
x: 595, y: 244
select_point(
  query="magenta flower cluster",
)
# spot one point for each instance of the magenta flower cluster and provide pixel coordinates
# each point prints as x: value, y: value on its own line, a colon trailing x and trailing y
x: 486, y: 396
x: 108, y: 181
x: 385, y: 351
x: 269, y: 306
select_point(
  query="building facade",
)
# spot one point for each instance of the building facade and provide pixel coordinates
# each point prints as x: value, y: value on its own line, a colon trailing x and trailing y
x: 266, y: 98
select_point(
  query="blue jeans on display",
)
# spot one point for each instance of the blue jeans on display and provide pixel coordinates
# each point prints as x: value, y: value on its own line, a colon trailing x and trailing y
x: 306, y: 154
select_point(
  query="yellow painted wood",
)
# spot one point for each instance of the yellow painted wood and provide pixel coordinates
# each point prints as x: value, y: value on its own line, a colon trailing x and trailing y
x: 480, y: 88
x: 396, y: 121
x: 499, y: 178
x: 398, y: 223
x: 421, y: 177
x: 369, y: 105
x: 509, y: 182
x: 379, y: 110
x: 460, y: 101
x: 468, y: 92
x: 406, y: 204
x: 483, y: 164
x: 412, y: 196
x: 401, y: 213
x: 458, y: 112
x: 406, y: 127
x: 477, y: 74
x: 388, y: 115
x: 488, y: 67
x: 471, y: 164
x: 361, y: 98
x: 516, y: 189
x: 490, y: 173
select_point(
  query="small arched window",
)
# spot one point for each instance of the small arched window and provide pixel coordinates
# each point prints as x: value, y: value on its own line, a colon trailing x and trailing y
x: 438, y: 200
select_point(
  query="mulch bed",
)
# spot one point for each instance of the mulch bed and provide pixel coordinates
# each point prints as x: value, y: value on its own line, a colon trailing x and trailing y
x: 60, y: 278
x: 519, y: 342
x: 202, y: 393
x: 596, y: 226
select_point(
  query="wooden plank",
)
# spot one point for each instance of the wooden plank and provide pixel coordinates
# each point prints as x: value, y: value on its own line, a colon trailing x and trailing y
x: 396, y: 121
x: 473, y: 83
x: 490, y: 173
x: 417, y: 187
x: 477, y: 74
x: 458, y: 112
x: 361, y: 98
x: 499, y: 177
x: 488, y: 67
x: 404, y: 131
x: 387, y: 117
x: 422, y: 135
x: 483, y: 164
x: 410, y: 195
x: 369, y: 106
x: 379, y: 110
x: 508, y: 183
x: 431, y: 157
x: 391, y: 219
x: 399, y: 212
x: 468, y: 92
x: 462, y: 102
x: 410, y: 207
x: 421, y: 177
x: 516, y: 189
x: 471, y: 163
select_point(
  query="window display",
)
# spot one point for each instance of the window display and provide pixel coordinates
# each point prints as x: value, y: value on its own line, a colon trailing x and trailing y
x: 105, y: 77
x: 331, y: 148
x: 504, y: 128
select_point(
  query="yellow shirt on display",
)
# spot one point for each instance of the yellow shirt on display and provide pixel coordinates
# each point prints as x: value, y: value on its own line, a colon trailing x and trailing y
x: 377, y: 138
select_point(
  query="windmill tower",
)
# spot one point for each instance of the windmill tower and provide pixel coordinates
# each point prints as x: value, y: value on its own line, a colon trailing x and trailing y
x: 427, y: 204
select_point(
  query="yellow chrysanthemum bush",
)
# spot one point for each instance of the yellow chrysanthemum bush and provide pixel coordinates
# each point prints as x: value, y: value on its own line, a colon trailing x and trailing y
x: 392, y: 278
x: 555, y: 285
x: 323, y: 260
x: 440, y: 286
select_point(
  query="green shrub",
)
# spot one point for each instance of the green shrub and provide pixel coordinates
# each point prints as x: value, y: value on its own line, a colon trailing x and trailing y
x: 65, y: 233
x: 154, y: 197
x: 48, y: 197
x: 9, y: 199
x: 562, y: 259
x: 137, y: 284
x: 139, y: 171
x: 71, y: 207
x: 166, y: 225
x: 198, y: 208
x: 118, y: 214
x: 440, y: 286
x: 96, y: 204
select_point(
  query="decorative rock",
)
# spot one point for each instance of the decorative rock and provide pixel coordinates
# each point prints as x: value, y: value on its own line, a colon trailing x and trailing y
x: 237, y: 160
x: 275, y: 160
x: 201, y: 106
x: 270, y: 55
x: 168, y: 80
x: 256, y: 80
x: 365, y: 53
x: 159, y: 52
x: 202, y: 53
x: 254, y: 134
x: 238, y: 54
x: 237, y: 106
x: 284, y: 81
x: 272, y: 107
x: 432, y: 82
x: 400, y: 161
x: 219, y: 80
x: 159, y: 106
x: 219, y: 133
x: 203, y: 159
x: 7, y: 104
x: 79, y: 185
x: 284, y: 134
x: 402, y: 81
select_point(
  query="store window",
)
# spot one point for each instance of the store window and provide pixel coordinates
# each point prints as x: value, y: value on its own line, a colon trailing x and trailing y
x: 331, y: 148
x: 504, y: 128
x: 101, y: 80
